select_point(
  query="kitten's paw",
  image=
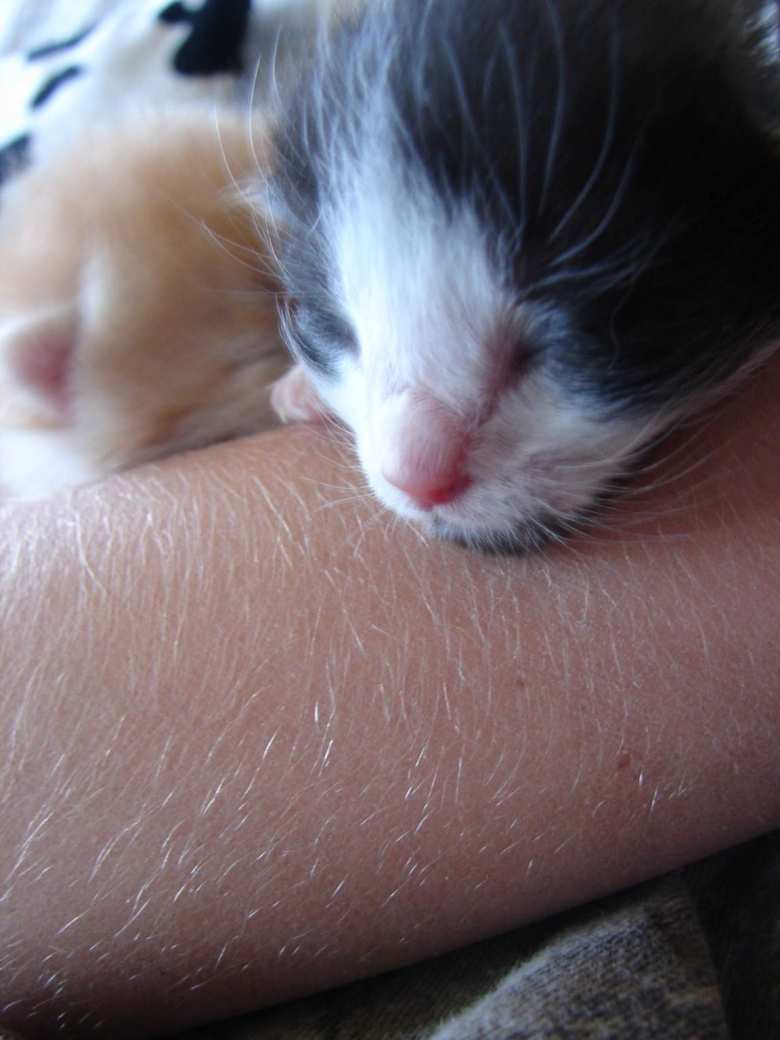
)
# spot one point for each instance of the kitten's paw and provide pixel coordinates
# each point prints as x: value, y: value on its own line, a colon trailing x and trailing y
x: 294, y: 399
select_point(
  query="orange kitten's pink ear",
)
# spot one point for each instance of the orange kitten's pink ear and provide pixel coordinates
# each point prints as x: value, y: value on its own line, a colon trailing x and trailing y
x: 36, y: 358
x: 294, y: 399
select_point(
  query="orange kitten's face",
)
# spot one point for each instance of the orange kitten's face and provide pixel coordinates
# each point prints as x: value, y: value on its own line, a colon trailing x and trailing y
x: 136, y: 316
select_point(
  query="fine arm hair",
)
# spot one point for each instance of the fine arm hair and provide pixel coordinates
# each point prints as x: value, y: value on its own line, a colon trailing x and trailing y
x: 258, y: 738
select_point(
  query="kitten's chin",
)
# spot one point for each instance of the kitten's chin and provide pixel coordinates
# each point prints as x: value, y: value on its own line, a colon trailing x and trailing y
x: 516, y: 537
x: 524, y: 537
x: 494, y: 523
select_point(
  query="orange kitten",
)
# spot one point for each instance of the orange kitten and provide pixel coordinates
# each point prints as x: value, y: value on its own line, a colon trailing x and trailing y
x: 137, y: 317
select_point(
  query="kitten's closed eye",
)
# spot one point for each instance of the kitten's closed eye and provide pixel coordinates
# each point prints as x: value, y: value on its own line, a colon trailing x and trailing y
x: 317, y: 334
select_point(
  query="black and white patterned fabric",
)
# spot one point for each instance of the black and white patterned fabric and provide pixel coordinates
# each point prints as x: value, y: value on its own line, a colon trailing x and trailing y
x: 142, y: 53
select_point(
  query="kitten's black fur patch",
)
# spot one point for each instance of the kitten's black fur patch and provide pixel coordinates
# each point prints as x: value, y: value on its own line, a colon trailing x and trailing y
x: 320, y: 333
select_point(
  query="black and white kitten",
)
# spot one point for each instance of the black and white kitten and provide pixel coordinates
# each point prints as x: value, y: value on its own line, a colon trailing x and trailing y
x: 524, y: 237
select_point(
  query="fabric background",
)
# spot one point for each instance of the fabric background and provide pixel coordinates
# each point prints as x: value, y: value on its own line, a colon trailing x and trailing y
x: 691, y: 956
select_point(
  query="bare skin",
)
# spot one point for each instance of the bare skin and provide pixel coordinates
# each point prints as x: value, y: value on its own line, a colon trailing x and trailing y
x: 257, y: 738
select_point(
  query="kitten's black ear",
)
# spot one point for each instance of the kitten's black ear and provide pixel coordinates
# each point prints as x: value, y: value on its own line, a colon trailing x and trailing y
x: 36, y: 361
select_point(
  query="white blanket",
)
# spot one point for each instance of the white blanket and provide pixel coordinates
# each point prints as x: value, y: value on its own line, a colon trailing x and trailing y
x: 66, y: 64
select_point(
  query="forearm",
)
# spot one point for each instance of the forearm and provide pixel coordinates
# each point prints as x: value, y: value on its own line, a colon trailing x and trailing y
x: 258, y: 739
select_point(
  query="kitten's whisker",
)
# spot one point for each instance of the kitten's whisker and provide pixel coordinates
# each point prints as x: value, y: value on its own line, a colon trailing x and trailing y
x: 612, y: 209
x: 561, y: 100
x: 240, y: 189
x: 521, y: 121
x: 471, y: 128
x: 224, y: 244
x: 275, y: 95
x: 250, y: 115
x: 609, y: 133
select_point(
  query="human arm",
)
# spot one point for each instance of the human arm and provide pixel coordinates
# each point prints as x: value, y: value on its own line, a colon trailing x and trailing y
x: 259, y: 739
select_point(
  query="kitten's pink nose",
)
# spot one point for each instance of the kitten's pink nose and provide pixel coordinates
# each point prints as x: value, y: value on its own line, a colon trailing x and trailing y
x: 424, y: 448
x: 427, y: 494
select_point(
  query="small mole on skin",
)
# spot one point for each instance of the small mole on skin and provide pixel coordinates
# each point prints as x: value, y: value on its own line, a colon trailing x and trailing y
x: 623, y: 761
